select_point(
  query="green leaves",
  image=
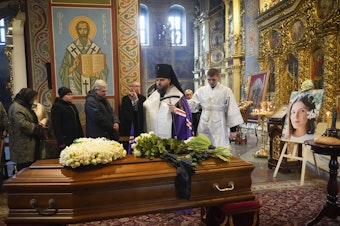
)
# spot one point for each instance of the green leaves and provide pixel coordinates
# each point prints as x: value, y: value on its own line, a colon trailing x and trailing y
x: 196, y: 149
x: 200, y: 142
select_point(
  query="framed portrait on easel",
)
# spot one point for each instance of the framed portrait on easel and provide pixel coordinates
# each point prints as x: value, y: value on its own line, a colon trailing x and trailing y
x: 302, y: 115
x: 257, y: 89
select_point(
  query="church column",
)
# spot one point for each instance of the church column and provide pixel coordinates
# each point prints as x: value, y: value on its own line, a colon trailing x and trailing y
x: 197, y: 64
x: 227, y: 29
x: 237, y: 55
x: 18, y: 54
x: 331, y: 77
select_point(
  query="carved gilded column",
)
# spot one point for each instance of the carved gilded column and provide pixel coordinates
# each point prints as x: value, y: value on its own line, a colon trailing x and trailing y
x: 227, y: 29
x: 331, y: 83
x: 237, y: 27
x: 281, y: 80
x: 238, y: 54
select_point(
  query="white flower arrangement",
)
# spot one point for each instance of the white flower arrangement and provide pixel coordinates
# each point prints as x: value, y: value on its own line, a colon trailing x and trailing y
x: 307, y: 85
x: 91, y: 151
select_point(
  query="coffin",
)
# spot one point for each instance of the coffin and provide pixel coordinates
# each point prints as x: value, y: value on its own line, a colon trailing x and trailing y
x: 46, y: 192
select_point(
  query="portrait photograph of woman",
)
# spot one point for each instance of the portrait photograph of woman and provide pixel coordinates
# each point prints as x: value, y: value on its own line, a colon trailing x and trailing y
x: 302, y: 114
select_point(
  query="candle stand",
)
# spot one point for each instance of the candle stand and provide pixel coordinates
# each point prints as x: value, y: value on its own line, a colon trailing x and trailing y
x: 263, y: 114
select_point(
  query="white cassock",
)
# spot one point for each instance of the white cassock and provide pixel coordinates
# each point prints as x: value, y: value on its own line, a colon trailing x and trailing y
x: 219, y: 112
x: 158, y: 117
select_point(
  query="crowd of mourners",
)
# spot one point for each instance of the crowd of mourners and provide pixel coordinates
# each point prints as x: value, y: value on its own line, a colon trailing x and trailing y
x: 168, y: 111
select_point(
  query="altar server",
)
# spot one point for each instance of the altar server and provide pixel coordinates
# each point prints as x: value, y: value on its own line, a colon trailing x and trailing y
x: 220, y: 111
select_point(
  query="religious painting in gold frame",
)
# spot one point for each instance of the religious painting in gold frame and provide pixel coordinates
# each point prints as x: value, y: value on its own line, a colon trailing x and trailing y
x: 317, y: 68
x: 257, y: 90
x: 324, y: 8
x: 274, y: 39
x: 297, y: 30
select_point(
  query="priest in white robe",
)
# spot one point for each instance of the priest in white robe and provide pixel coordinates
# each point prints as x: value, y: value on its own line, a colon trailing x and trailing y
x: 220, y: 111
x: 166, y: 110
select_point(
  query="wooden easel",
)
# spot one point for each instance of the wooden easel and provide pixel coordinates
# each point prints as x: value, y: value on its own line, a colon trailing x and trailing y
x: 295, y: 156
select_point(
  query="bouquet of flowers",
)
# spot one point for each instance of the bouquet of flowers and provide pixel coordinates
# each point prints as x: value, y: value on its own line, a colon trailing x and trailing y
x: 91, y: 151
x: 196, y: 149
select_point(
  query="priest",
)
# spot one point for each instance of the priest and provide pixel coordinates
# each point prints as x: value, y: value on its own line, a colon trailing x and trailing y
x: 166, y: 110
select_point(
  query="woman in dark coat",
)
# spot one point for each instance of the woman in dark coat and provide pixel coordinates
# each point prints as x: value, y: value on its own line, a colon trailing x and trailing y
x: 25, y: 132
x: 65, y: 119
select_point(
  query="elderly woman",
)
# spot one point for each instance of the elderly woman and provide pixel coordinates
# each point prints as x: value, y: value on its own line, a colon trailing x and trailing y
x: 25, y: 131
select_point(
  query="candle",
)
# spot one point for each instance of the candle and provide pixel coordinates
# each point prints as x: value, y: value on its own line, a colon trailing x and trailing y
x: 328, y: 121
x: 328, y: 114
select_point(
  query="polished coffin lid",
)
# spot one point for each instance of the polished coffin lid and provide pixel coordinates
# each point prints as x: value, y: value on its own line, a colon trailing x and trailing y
x: 46, y: 192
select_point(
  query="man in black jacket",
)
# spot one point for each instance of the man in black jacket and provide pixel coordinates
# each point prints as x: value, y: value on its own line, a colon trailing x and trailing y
x: 101, y: 120
x: 131, y: 112
x: 132, y: 102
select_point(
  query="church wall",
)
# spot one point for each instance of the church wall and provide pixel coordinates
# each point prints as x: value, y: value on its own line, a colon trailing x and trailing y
x: 127, y: 55
x: 159, y: 49
x: 298, y: 41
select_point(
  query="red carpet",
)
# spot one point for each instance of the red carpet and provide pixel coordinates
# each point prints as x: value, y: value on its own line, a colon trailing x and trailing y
x: 293, y: 206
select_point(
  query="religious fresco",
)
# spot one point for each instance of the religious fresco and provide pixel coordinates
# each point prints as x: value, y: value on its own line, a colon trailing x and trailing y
x: 317, y: 70
x: 82, y: 47
x: 297, y: 30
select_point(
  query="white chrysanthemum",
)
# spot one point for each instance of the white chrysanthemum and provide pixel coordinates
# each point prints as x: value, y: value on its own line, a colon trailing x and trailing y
x: 87, y: 151
x: 307, y: 85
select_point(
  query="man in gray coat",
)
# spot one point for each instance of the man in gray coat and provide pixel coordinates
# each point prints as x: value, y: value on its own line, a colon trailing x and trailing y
x: 101, y: 120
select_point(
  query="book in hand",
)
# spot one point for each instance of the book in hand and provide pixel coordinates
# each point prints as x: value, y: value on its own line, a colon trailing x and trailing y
x: 91, y: 64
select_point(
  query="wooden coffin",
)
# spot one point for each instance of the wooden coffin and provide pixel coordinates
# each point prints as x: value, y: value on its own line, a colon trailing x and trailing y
x: 46, y: 192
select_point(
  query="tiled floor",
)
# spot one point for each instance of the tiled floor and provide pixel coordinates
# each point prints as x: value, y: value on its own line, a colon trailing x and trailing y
x: 262, y: 173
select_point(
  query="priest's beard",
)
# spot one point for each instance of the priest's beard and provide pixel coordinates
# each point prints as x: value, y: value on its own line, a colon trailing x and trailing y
x: 162, y: 91
x: 83, y: 39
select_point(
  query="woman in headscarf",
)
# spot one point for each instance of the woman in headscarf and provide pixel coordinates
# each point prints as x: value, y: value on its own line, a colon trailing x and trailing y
x: 25, y: 131
x: 65, y: 119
